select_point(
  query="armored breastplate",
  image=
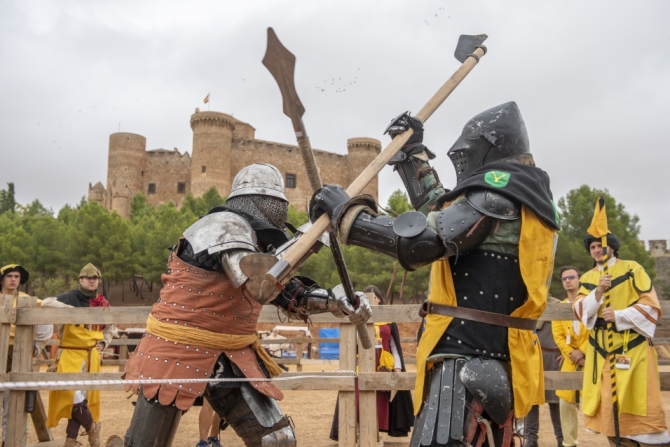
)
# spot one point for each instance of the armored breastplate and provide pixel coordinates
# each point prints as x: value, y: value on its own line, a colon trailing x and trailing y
x: 202, y: 299
x: 489, y: 281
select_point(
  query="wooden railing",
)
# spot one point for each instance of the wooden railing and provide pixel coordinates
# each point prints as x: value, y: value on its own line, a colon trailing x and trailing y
x: 26, y: 315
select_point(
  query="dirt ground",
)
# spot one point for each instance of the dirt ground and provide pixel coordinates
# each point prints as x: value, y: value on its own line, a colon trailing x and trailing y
x: 311, y: 411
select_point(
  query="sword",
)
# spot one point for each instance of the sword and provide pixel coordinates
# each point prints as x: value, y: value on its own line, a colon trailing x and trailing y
x: 281, y: 64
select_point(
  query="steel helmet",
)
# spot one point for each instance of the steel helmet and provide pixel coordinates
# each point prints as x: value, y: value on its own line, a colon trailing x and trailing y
x: 258, y: 179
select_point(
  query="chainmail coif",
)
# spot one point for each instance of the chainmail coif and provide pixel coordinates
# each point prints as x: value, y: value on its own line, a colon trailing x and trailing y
x: 265, y: 208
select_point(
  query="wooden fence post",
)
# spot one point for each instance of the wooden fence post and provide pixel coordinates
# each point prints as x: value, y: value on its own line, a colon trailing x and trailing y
x: 367, y: 399
x: 347, y: 417
x: 123, y: 354
x: 21, y: 362
x: 298, y: 355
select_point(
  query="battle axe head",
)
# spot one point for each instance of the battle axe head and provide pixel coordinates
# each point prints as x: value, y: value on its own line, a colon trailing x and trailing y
x: 467, y: 45
x: 281, y: 64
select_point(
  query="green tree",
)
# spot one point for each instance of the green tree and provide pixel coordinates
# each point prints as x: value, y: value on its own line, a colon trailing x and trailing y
x: 7, y: 202
x: 398, y: 202
x: 576, y: 210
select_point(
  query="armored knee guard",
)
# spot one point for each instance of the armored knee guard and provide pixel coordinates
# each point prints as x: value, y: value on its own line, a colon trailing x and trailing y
x: 255, y: 417
x: 152, y: 424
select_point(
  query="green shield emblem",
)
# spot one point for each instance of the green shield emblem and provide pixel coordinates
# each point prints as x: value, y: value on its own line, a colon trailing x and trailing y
x: 497, y: 179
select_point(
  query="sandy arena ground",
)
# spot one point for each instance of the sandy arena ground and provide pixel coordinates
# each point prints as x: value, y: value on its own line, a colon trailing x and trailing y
x: 311, y: 411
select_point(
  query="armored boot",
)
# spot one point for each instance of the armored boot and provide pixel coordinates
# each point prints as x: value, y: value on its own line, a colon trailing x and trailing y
x: 94, y: 434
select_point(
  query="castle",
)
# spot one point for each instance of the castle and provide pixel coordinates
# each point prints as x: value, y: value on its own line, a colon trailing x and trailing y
x: 222, y: 146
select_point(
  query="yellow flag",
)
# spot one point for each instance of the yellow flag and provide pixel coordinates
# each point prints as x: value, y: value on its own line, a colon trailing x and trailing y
x: 206, y: 100
x: 598, y: 226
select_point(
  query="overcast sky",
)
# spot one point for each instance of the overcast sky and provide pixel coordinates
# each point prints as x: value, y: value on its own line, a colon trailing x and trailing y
x: 592, y: 80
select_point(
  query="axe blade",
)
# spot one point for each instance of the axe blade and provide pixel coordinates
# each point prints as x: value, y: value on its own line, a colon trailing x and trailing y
x: 467, y: 44
x: 281, y: 64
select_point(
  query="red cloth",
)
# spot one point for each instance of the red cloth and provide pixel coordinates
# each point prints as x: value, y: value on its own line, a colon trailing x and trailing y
x: 99, y: 301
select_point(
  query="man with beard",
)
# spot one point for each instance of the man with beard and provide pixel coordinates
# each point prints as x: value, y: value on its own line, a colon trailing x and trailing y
x: 204, y: 324
x: 491, y: 242
x: 79, y: 351
x: 634, y: 309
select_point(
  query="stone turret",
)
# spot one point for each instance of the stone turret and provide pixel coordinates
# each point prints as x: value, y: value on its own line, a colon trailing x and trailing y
x: 361, y: 153
x: 212, y: 152
x: 97, y: 193
x: 125, y: 171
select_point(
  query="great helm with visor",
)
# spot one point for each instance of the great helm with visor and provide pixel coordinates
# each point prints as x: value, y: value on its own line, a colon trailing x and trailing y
x: 496, y: 134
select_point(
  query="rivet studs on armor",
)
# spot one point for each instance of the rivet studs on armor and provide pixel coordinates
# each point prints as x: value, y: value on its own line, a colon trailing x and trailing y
x: 466, y: 274
x: 511, y: 298
x: 188, y: 367
x: 481, y: 292
x: 465, y: 297
x: 190, y: 290
x: 495, y: 296
x: 165, y: 361
x: 187, y: 346
x: 177, y: 363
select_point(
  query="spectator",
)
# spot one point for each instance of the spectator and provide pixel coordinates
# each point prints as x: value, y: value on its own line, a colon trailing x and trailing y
x: 276, y: 349
x: 551, y: 358
x: 572, y: 339
x: 11, y: 277
x: 633, y: 310
x: 209, y: 424
x: 79, y: 351
x: 394, y: 408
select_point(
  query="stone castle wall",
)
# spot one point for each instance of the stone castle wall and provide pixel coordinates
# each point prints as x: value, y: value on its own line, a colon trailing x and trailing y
x: 222, y: 146
x: 658, y: 249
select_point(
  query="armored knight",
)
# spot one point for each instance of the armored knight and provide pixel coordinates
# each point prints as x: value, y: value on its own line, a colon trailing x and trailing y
x: 491, y: 243
x: 203, y: 325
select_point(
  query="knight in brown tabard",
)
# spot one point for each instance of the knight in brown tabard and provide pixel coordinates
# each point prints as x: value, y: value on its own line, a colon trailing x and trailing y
x: 203, y: 325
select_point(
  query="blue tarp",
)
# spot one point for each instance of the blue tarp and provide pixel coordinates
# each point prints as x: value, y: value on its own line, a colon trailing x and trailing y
x: 329, y: 351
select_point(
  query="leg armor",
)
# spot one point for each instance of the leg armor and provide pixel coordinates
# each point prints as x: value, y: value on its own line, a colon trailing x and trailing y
x: 255, y: 417
x: 452, y: 416
x: 152, y: 424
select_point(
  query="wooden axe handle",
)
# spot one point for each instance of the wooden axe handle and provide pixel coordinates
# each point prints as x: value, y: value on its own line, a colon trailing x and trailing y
x: 309, y: 238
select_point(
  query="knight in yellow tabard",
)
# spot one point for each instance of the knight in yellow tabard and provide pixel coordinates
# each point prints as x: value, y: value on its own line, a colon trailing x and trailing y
x: 490, y: 241
x: 79, y: 352
x: 634, y: 310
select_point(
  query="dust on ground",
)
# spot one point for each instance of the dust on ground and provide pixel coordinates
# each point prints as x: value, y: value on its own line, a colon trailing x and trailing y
x: 311, y: 411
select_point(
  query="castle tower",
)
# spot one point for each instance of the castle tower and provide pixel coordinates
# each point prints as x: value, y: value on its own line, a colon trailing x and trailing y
x: 361, y: 153
x: 212, y: 153
x: 125, y: 169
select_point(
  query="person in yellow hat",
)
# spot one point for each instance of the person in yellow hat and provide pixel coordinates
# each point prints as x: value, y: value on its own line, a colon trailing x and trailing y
x: 634, y: 310
x: 79, y: 351
x: 11, y: 277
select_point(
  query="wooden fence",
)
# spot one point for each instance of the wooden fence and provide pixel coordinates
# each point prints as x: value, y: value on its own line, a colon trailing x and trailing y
x: 25, y: 315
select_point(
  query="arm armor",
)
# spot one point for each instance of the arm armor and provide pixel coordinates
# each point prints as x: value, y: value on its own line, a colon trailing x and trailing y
x: 303, y: 297
x: 420, y: 179
x: 461, y: 227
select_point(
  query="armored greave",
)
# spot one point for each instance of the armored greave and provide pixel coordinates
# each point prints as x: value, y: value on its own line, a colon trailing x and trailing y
x: 255, y: 417
x: 450, y: 416
x: 152, y: 424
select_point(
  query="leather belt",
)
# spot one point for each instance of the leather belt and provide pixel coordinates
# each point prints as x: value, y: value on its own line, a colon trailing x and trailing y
x: 479, y: 316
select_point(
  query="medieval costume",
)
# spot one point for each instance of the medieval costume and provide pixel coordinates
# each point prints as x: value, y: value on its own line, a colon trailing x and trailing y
x: 203, y: 325
x: 568, y: 336
x: 491, y: 246
x: 550, y: 354
x: 394, y: 410
x: 41, y: 334
x: 79, y: 352
x: 636, y: 309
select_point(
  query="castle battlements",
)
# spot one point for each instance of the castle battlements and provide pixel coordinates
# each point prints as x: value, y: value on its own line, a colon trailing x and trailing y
x: 222, y: 146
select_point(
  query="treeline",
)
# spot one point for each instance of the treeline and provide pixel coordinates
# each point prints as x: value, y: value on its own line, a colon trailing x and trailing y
x: 55, y: 246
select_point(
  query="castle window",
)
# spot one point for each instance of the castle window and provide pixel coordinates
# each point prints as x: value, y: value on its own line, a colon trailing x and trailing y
x: 204, y: 169
x: 290, y: 180
x: 151, y: 188
x: 181, y: 188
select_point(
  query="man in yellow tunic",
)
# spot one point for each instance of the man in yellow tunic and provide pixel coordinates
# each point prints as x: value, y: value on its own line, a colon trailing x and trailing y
x: 79, y: 351
x: 634, y: 310
x: 11, y: 277
x: 490, y: 241
x: 571, y: 337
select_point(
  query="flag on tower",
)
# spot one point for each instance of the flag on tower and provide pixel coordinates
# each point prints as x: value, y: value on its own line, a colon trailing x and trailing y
x: 206, y: 100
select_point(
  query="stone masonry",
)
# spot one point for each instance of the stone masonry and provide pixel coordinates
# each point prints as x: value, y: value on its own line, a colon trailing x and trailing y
x: 658, y: 249
x: 222, y: 145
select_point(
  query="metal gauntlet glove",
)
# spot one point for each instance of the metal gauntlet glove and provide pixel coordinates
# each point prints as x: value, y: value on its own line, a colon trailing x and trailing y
x: 358, y: 313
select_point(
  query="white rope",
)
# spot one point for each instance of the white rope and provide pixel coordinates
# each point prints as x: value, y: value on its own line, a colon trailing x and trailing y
x: 56, y: 385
